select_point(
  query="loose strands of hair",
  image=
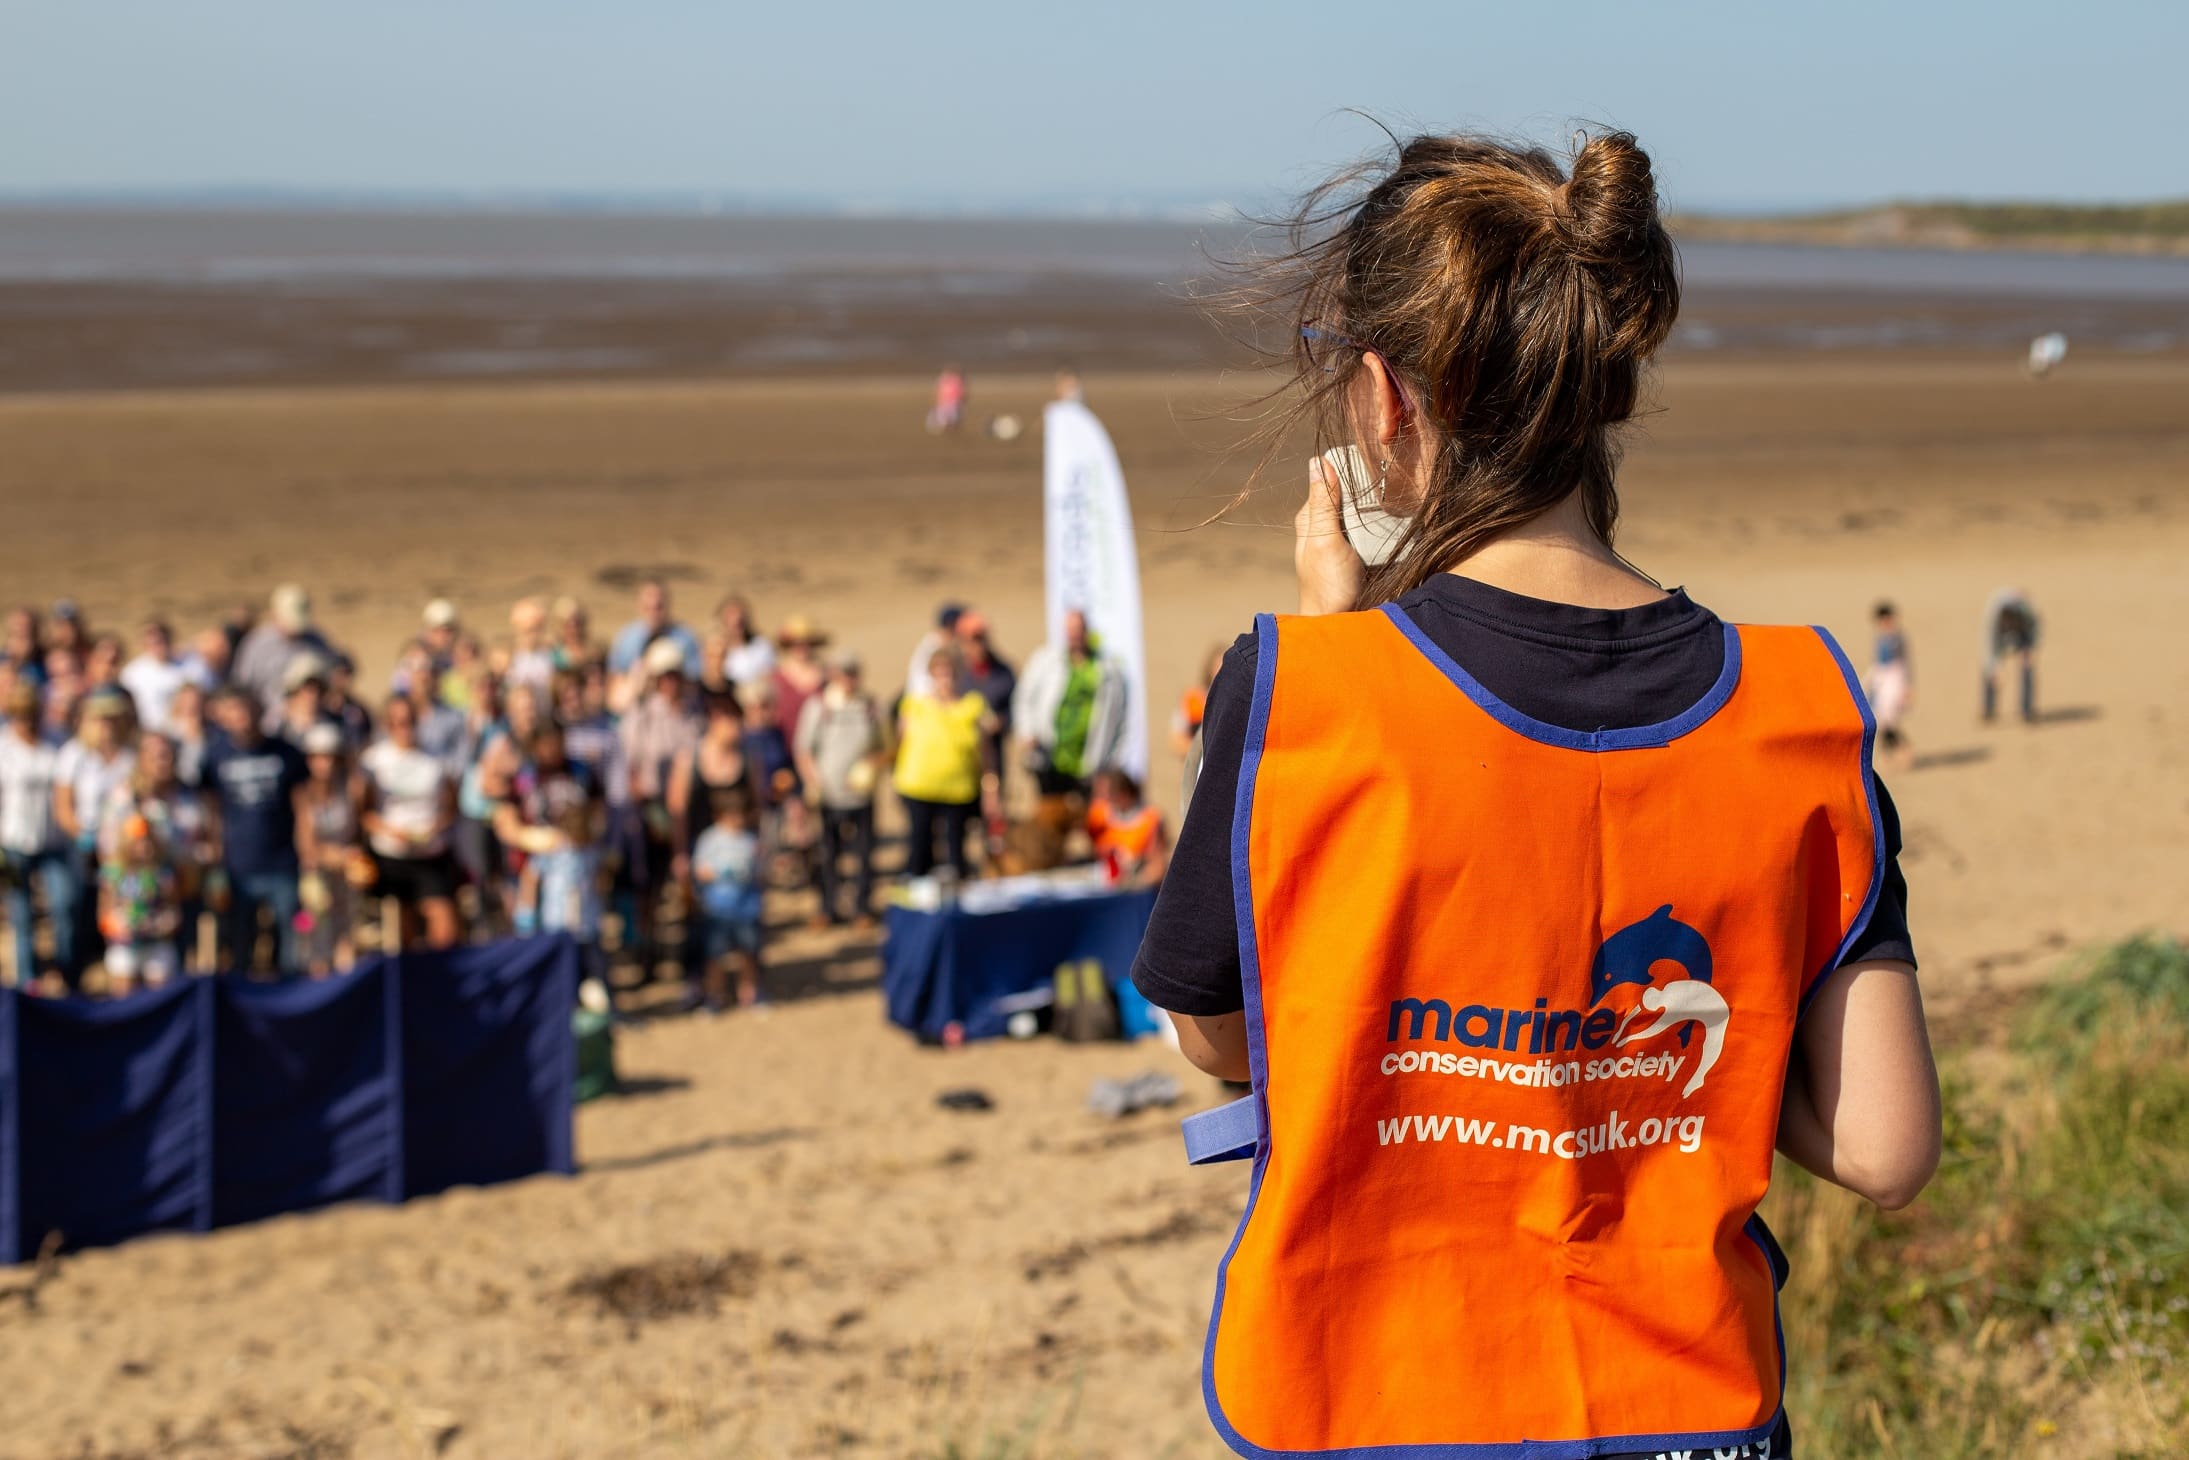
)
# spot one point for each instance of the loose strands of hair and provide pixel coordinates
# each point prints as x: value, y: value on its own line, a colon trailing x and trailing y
x: 1516, y: 301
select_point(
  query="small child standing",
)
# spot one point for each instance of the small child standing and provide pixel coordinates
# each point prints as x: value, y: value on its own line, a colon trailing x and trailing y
x: 139, y: 910
x: 564, y: 884
x: 559, y: 890
x: 1890, y: 686
x: 727, y: 865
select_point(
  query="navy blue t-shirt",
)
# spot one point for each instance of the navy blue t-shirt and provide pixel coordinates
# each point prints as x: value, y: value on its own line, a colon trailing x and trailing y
x: 257, y: 813
x: 1576, y: 668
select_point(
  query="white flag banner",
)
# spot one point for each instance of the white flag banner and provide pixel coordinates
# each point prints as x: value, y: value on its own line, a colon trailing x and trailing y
x: 1092, y: 563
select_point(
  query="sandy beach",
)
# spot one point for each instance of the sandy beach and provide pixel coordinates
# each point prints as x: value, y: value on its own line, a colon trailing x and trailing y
x: 867, y: 1274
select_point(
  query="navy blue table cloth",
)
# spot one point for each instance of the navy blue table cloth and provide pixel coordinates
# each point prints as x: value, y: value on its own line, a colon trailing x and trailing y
x: 951, y: 966
x: 220, y: 1100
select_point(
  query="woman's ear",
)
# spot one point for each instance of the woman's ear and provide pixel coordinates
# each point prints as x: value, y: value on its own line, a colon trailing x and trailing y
x: 1386, y: 406
x: 1397, y: 440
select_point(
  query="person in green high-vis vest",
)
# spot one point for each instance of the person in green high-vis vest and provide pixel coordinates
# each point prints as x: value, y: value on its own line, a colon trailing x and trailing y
x: 1069, y: 710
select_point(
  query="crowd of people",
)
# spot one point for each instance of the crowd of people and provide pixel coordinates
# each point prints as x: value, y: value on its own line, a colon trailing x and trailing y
x: 232, y: 803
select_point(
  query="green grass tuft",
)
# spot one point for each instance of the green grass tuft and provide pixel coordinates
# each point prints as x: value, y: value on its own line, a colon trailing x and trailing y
x: 2041, y: 1285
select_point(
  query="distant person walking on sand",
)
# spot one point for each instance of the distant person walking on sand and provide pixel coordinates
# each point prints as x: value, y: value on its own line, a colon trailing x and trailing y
x: 1890, y: 684
x: 1496, y: 804
x: 948, y: 411
x: 2010, y: 640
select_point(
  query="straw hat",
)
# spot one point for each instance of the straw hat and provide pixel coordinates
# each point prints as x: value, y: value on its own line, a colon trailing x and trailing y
x: 798, y: 629
x: 301, y: 670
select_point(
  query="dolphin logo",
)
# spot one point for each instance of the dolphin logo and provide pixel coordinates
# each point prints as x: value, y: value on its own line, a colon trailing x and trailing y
x: 1628, y: 955
x: 1685, y: 1004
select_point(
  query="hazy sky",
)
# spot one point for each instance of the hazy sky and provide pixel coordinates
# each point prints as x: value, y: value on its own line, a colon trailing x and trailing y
x: 988, y: 104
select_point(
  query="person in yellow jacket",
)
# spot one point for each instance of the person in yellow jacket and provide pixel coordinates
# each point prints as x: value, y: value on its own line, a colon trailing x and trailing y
x: 941, y: 729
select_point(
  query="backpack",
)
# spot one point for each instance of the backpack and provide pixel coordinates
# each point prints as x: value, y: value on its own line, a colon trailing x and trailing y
x: 1086, y: 1010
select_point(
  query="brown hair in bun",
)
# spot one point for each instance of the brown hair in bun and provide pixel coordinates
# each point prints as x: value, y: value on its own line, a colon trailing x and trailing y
x: 1516, y: 298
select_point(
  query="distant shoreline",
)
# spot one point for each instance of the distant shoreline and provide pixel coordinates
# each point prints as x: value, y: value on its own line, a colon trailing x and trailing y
x: 2156, y: 230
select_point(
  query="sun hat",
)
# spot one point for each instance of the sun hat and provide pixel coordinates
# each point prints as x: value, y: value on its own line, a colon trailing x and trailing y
x: 798, y: 629
x: 440, y: 614
x: 323, y: 740
x: 663, y: 656
x: 302, y: 669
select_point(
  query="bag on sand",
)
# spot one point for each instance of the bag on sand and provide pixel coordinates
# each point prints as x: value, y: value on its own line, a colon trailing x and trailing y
x: 1086, y: 1011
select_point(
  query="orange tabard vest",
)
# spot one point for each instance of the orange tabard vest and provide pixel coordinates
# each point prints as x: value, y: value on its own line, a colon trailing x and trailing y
x: 1519, y: 1005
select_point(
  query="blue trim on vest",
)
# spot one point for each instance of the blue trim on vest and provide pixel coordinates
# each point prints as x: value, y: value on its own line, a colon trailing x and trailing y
x: 1250, y: 978
x: 1774, y: 1257
x: 1877, y: 826
x: 1250, y: 974
x: 1638, y: 737
x: 1230, y: 1132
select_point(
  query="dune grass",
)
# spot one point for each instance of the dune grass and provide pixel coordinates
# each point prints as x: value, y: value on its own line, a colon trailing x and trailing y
x: 2036, y: 1299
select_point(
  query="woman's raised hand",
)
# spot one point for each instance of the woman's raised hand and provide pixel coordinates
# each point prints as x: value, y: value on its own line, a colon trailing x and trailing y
x: 1329, y: 568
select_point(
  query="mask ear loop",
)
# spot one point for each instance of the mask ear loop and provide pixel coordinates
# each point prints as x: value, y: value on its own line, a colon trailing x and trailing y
x: 1406, y: 416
